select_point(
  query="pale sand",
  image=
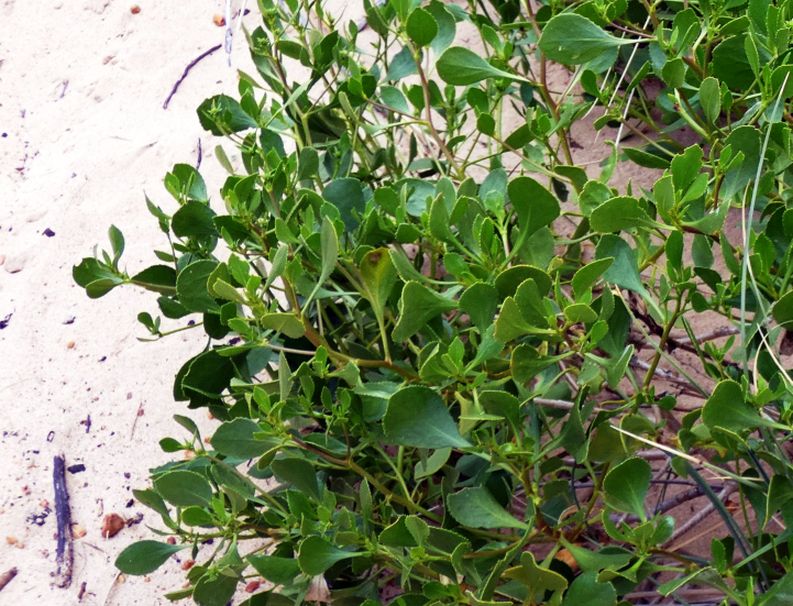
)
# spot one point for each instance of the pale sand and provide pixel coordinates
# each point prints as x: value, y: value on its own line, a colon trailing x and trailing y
x: 84, y: 134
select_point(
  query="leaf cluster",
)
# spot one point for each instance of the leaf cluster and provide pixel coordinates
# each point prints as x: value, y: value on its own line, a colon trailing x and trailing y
x: 453, y: 364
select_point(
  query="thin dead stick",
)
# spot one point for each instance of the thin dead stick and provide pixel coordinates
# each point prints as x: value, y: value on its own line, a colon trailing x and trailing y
x: 701, y: 514
x: 7, y: 576
x: 690, y: 594
x: 717, y: 333
x: 560, y: 404
x: 138, y: 414
x: 707, y: 531
x: 64, y: 553
x: 672, y: 502
x: 186, y: 71
x: 663, y: 374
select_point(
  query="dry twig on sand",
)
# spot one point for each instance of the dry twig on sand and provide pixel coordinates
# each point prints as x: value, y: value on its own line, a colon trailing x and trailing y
x: 5, y: 578
x: 64, y: 553
x: 186, y: 71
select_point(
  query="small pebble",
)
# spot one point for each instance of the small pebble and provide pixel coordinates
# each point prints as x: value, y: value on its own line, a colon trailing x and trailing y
x: 252, y: 586
x: 48, y: 232
x: 134, y: 9
x: 219, y: 20
x: 78, y: 532
x: 14, y: 265
x: 70, y: 345
x: 112, y: 525
x: 76, y: 468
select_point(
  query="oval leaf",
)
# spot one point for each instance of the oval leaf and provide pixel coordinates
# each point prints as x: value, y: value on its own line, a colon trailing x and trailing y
x: 144, y: 557
x: 417, y: 416
x: 237, y: 439
x: 460, y: 66
x: 316, y: 555
x: 727, y: 408
x: 183, y: 488
x: 572, y: 39
x: 626, y: 486
x: 477, y: 508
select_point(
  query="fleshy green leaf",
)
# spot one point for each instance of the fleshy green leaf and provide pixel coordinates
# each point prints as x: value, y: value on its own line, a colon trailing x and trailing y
x: 535, y: 206
x: 347, y: 195
x: 236, y: 438
x: 379, y: 278
x: 726, y: 407
x: 299, y: 473
x: 617, y: 214
x: 159, y: 278
x: 284, y: 322
x: 315, y: 555
x: 329, y: 247
x: 783, y: 310
x: 477, y: 508
x: 432, y: 464
x: 536, y: 577
x: 183, y: 488
x: 421, y: 27
x: 461, y: 66
x: 222, y: 115
x: 192, y: 289
x: 587, y: 275
x: 572, y: 39
x: 710, y: 98
x: 144, y: 557
x: 626, y: 486
x: 586, y: 589
x: 417, y: 306
x: 214, y: 589
x: 417, y: 416
x: 194, y: 220
x: 480, y: 302
x: 277, y: 570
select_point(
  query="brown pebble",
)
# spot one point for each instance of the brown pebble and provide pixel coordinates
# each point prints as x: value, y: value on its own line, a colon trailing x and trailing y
x: 11, y: 540
x: 78, y: 532
x: 112, y: 525
x: 171, y: 540
x: 188, y: 564
x: 70, y: 344
x: 252, y: 586
x: 219, y: 20
x: 134, y: 9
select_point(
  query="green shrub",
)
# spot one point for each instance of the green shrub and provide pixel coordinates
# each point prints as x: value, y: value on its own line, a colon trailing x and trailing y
x: 452, y: 365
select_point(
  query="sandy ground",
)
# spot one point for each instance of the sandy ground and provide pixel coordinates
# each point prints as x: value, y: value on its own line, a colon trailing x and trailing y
x: 82, y: 135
